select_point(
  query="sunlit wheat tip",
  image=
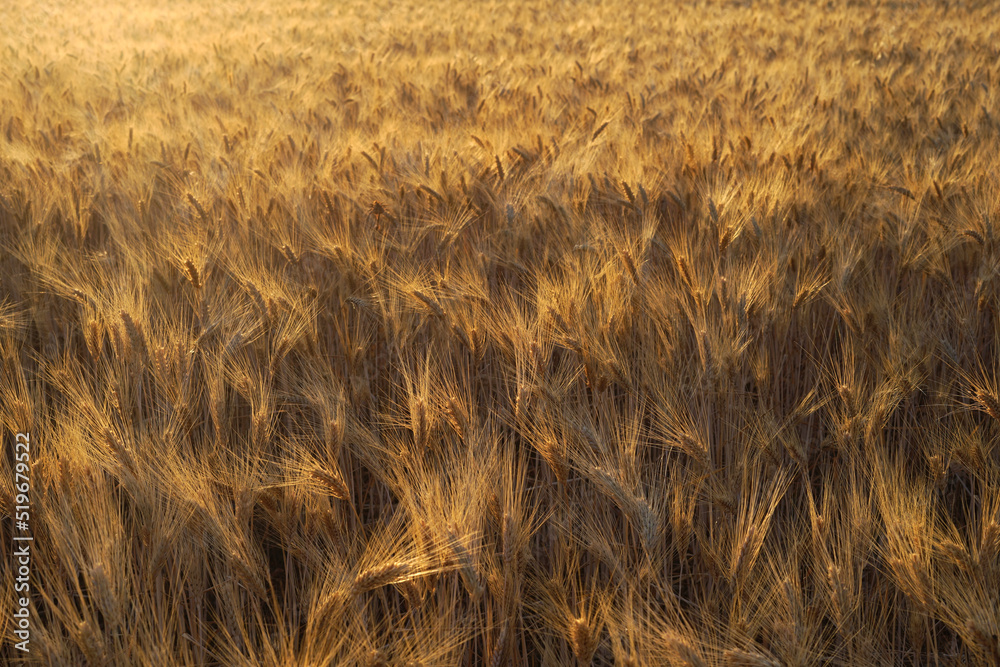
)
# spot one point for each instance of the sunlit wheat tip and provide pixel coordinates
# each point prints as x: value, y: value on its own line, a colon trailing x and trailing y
x: 192, y: 273
x: 332, y: 484
x: 379, y: 576
x: 973, y: 234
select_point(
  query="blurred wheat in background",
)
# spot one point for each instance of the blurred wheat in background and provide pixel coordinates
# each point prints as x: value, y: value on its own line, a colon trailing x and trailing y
x: 527, y: 333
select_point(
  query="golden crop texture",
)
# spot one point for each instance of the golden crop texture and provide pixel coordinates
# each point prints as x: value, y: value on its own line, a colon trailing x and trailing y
x: 503, y: 333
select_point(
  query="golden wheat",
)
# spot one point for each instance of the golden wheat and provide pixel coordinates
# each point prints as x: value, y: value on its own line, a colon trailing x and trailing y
x: 592, y: 332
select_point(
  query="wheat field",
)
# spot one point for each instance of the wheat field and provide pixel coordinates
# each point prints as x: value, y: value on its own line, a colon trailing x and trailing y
x: 502, y: 333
